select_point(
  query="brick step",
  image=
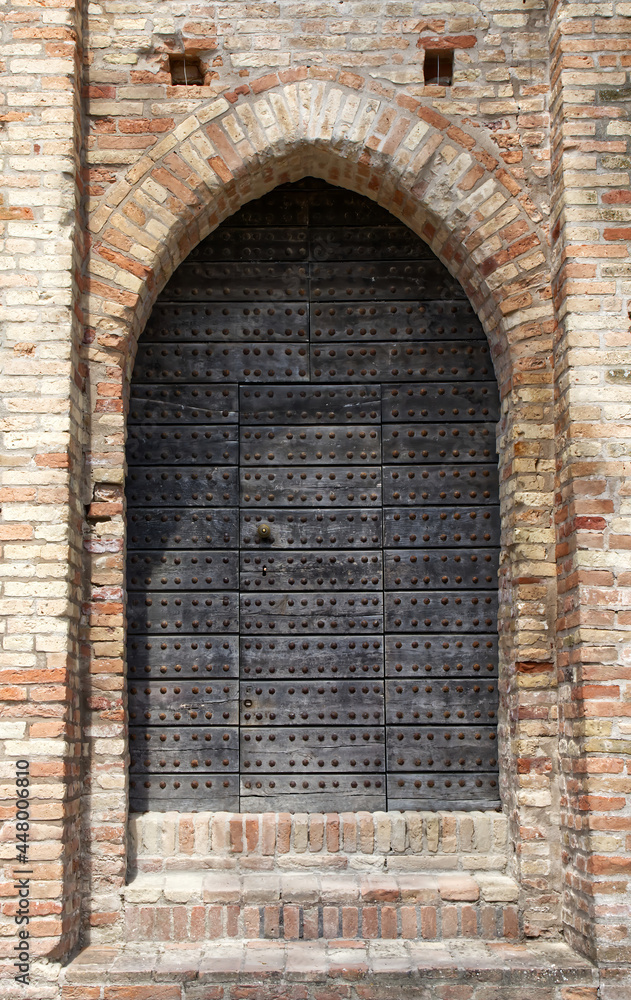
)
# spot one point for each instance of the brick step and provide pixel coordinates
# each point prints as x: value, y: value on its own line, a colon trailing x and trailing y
x: 195, y: 906
x: 313, y: 970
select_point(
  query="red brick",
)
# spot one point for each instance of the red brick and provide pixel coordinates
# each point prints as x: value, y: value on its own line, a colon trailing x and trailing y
x: 283, y: 833
x: 264, y: 83
x: 428, y: 922
x: 271, y: 921
x: 447, y: 42
x: 330, y: 921
x: 251, y: 833
x: 251, y: 921
x: 438, y: 121
x: 616, y: 197
x: 370, y: 921
x: 310, y: 924
x: 214, y: 921
x: 291, y: 922
x: 388, y: 922
x: 155, y: 991
x: 350, y: 921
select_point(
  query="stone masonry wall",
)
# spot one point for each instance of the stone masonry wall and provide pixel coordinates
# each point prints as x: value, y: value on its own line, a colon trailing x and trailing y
x: 110, y: 174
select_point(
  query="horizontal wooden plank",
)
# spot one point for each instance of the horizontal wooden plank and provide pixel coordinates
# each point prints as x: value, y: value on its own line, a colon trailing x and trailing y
x: 313, y: 793
x: 163, y: 444
x: 245, y: 281
x: 312, y: 529
x: 422, y: 403
x: 464, y: 443
x: 303, y: 750
x: 184, y: 702
x: 440, y: 792
x: 189, y: 322
x: 467, y: 611
x: 202, y: 761
x: 183, y: 612
x: 441, y: 484
x: 186, y: 404
x: 257, y: 242
x: 449, y: 569
x: 356, y: 444
x: 184, y: 793
x: 308, y: 486
x: 304, y: 702
x: 195, y: 740
x: 152, y: 570
x: 281, y: 571
x: 182, y: 656
x: 167, y: 528
x: 427, y: 527
x: 377, y: 280
x: 311, y: 656
x: 458, y: 701
x: 198, y: 364
x: 306, y: 613
x: 451, y: 361
x: 441, y: 748
x: 321, y: 404
x: 284, y: 206
x: 441, y: 655
x: 394, y: 321
x: 333, y: 207
x: 359, y: 242
x: 185, y: 486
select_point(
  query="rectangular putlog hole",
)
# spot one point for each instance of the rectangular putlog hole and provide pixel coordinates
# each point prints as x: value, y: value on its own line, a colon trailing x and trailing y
x: 185, y: 70
x: 438, y: 67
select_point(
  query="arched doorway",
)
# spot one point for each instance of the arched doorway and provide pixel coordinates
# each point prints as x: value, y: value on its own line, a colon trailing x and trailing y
x: 313, y: 522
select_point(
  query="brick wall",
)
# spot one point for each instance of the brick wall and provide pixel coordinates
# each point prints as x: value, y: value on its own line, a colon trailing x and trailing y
x: 42, y: 387
x: 591, y: 46
x: 336, y: 90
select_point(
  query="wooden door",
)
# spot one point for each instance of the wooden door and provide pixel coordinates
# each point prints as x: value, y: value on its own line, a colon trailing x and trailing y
x: 313, y: 522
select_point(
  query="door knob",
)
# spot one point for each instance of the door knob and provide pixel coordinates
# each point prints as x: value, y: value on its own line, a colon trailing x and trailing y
x: 264, y: 532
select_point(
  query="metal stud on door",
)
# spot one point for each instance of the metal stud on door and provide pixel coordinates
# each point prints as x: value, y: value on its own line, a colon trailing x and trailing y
x: 313, y: 522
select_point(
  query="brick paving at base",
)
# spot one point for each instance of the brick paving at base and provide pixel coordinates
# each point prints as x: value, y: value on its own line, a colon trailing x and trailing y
x: 334, y: 970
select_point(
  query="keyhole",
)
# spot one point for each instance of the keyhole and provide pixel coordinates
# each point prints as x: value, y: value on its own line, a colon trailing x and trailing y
x: 264, y: 571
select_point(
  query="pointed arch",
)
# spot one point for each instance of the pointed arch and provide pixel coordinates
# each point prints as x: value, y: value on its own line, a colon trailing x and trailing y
x: 440, y: 180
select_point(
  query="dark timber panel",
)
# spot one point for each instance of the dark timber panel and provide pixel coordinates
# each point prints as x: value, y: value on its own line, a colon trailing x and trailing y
x: 313, y: 522
x: 286, y: 486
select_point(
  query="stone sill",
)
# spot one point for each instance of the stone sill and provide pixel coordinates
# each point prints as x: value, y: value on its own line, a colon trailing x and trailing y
x: 541, y: 964
x: 199, y: 887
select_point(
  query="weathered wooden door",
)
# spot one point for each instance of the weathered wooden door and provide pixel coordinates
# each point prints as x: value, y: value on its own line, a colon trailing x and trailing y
x: 313, y: 522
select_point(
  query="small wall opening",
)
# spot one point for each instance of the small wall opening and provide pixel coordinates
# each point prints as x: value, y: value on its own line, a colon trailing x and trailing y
x: 438, y: 67
x: 186, y: 70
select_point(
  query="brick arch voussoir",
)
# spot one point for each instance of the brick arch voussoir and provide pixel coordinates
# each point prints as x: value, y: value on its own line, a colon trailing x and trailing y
x: 443, y: 182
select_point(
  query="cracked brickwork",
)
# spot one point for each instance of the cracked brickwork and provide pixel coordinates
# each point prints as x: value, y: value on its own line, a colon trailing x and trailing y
x: 517, y: 176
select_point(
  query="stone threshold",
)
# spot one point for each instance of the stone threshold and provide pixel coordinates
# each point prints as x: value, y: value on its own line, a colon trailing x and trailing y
x: 548, y: 969
x: 305, y: 888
